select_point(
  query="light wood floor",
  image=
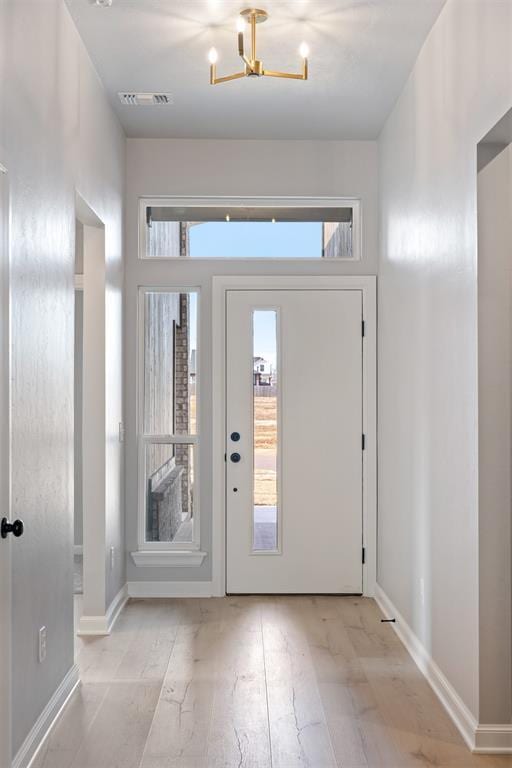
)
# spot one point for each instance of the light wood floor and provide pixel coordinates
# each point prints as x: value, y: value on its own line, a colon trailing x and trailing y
x: 253, y: 682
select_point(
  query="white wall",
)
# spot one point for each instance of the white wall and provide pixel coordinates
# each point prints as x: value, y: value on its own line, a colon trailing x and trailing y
x: 56, y: 133
x: 231, y: 168
x: 428, y: 375
x: 495, y: 434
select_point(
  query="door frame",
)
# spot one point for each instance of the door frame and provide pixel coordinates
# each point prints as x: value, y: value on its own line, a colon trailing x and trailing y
x: 367, y: 285
x: 94, y: 618
x: 5, y: 473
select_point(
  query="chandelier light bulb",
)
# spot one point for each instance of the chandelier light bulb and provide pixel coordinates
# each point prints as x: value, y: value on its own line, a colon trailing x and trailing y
x: 228, y: 217
x: 240, y: 24
x: 304, y: 50
x: 213, y: 56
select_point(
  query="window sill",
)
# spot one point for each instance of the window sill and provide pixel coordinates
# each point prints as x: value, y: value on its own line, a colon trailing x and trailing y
x: 167, y: 559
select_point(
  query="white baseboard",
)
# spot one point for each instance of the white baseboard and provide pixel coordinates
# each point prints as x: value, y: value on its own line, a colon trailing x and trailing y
x: 447, y: 695
x: 493, y: 739
x: 478, y: 737
x: 47, y: 720
x: 78, y: 550
x: 170, y: 589
x: 102, y: 625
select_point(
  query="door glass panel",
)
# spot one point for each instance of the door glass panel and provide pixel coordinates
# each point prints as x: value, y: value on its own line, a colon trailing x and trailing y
x: 169, y: 492
x: 265, y: 430
x: 170, y: 362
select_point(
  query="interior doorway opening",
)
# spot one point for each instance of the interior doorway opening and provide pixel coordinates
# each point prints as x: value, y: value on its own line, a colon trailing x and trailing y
x: 78, y: 506
x: 89, y: 577
x: 494, y: 209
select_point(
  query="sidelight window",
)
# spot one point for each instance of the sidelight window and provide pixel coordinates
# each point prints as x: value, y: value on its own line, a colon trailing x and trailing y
x: 168, y: 441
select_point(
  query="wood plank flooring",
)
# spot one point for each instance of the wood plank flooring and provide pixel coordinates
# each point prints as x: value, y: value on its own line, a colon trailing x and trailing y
x: 253, y: 682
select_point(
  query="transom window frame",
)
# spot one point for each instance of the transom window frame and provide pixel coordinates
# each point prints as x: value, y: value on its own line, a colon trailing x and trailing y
x: 253, y: 202
x: 165, y: 553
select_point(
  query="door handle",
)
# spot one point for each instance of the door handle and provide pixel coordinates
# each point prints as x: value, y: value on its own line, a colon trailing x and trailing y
x: 15, y: 528
x: 235, y: 458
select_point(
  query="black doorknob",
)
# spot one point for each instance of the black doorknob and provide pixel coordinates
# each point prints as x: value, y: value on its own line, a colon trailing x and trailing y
x: 235, y: 458
x: 235, y: 436
x: 15, y: 528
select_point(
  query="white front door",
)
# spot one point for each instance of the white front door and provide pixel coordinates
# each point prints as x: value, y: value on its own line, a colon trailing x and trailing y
x: 294, y: 441
x: 5, y: 544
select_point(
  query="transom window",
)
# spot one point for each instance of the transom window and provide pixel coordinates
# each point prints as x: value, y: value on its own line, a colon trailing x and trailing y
x: 234, y: 231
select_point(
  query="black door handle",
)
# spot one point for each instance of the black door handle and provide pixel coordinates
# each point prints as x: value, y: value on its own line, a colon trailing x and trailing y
x: 15, y: 528
x: 235, y: 458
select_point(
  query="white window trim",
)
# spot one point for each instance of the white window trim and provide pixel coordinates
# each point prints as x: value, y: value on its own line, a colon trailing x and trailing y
x: 165, y: 553
x: 255, y: 202
x: 367, y: 285
x: 177, y: 558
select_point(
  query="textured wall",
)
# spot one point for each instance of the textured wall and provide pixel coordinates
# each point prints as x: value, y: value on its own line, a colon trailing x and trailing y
x: 56, y: 133
x: 428, y: 437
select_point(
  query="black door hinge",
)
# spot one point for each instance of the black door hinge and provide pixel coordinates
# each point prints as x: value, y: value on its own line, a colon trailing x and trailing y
x: 363, y: 558
x: 363, y: 328
x: 225, y: 457
x: 363, y: 442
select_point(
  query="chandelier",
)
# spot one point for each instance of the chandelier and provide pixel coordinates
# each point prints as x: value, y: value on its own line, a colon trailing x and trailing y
x: 253, y: 67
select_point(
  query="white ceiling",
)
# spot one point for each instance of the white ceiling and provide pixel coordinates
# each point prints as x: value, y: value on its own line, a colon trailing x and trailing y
x: 362, y: 52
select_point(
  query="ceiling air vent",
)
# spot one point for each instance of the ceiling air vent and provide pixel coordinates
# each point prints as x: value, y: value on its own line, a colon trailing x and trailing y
x: 144, y: 99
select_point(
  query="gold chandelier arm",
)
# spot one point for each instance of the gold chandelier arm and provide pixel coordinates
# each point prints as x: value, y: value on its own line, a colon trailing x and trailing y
x: 287, y: 75
x: 253, y: 36
x: 214, y: 80
x: 241, y: 52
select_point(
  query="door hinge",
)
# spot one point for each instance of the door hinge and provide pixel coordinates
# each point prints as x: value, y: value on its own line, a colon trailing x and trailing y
x: 363, y: 442
x: 225, y: 457
x: 363, y: 556
x: 363, y: 328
